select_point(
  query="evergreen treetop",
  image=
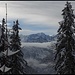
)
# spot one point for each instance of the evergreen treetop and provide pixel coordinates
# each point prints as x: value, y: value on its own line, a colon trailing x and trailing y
x: 65, y: 62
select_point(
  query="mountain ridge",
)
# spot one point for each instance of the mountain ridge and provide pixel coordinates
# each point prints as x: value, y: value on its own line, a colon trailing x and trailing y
x: 38, y: 37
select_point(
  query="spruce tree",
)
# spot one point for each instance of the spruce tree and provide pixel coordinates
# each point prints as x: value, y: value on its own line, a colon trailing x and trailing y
x: 65, y: 47
x: 18, y: 63
x: 2, y: 42
x: 4, y: 63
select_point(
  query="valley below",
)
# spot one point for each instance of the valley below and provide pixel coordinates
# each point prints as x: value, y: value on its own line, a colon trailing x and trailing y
x: 40, y: 57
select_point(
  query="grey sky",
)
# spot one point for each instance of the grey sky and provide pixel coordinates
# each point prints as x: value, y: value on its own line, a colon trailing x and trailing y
x: 44, y: 14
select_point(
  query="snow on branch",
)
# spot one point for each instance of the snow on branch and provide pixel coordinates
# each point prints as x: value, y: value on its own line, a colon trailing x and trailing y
x: 4, y: 68
x: 10, y: 52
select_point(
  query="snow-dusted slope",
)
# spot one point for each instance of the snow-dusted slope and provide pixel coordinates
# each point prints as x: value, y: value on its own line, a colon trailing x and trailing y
x: 40, y: 56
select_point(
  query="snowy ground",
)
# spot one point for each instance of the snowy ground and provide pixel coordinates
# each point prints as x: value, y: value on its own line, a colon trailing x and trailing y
x: 40, y: 56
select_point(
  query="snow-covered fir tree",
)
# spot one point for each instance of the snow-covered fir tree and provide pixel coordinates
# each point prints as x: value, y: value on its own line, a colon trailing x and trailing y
x: 18, y: 63
x: 4, y: 63
x: 2, y: 42
x: 11, y: 56
x: 65, y: 47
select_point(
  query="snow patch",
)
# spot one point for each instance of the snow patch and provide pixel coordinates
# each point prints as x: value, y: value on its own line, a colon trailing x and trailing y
x: 4, y: 67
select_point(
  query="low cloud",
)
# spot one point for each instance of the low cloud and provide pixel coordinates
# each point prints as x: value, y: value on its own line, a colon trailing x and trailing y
x: 35, y: 63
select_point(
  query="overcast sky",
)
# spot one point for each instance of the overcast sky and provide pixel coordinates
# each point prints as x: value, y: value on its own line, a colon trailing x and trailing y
x: 34, y: 16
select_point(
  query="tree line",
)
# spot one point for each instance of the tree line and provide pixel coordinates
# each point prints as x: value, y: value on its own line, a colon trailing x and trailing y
x: 11, y: 56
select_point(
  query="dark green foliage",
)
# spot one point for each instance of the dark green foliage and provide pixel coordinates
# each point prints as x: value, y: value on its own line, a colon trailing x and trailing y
x: 2, y: 43
x: 18, y: 63
x: 65, y: 62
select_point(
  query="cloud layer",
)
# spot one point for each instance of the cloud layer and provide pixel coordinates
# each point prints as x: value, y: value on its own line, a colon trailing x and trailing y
x: 35, y: 16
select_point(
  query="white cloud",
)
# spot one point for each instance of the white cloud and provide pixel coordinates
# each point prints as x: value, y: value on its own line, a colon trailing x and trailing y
x: 28, y: 32
x: 35, y: 63
x: 25, y: 32
x: 46, y: 13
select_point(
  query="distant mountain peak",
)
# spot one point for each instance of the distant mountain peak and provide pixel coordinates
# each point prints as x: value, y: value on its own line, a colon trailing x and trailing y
x: 41, y: 33
x: 38, y: 37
